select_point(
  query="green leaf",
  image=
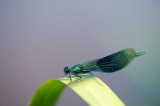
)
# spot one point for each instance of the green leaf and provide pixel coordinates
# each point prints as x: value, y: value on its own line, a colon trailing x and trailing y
x: 91, y: 89
x: 48, y: 93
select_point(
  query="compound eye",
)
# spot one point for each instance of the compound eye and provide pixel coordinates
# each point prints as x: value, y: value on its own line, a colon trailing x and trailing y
x: 66, y: 70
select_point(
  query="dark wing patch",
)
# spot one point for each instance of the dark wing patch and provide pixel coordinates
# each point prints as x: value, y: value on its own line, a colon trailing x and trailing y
x: 116, y: 61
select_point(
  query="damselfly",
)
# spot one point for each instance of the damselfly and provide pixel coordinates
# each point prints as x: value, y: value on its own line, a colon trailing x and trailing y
x: 108, y: 64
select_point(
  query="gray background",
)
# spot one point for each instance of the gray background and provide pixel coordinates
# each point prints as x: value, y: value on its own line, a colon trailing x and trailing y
x: 38, y: 38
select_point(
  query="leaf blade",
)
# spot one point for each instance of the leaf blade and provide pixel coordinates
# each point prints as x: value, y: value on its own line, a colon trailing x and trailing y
x: 89, y: 88
x: 48, y: 93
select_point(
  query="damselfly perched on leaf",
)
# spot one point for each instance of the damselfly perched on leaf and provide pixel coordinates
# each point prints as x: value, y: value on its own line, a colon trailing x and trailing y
x: 108, y: 64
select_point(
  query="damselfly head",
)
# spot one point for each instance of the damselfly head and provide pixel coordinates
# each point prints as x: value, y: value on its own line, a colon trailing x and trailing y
x: 66, y: 70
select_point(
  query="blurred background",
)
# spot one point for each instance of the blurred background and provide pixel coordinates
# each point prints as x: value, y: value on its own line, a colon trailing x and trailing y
x: 38, y: 38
